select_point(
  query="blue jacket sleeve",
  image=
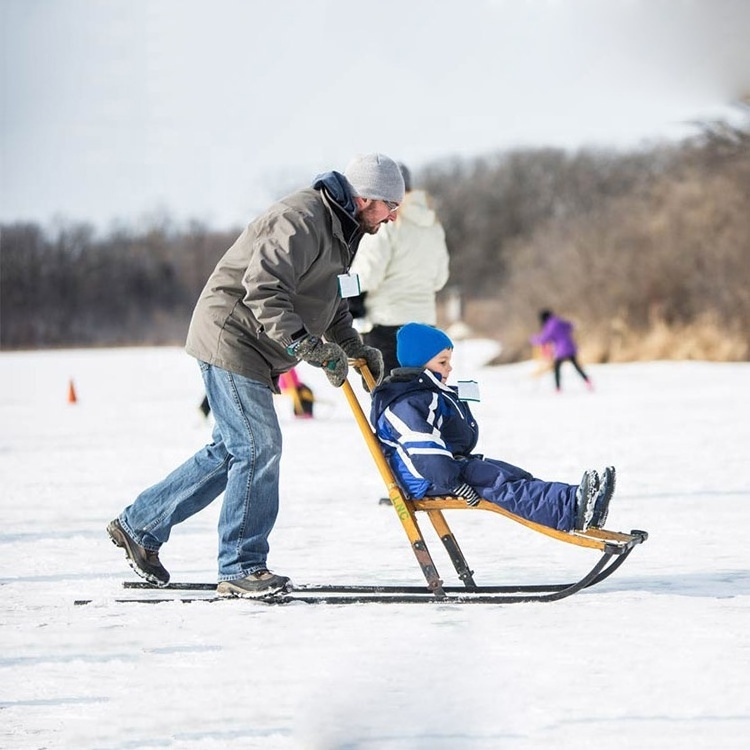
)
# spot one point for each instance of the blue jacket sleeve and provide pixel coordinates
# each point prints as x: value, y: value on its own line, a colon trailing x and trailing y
x: 409, y: 431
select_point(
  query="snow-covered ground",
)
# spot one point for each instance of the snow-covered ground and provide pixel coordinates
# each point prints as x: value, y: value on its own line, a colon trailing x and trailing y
x: 657, y: 656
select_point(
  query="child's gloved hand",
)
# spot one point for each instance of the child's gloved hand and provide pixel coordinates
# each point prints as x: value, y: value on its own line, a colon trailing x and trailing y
x: 330, y: 357
x: 468, y: 493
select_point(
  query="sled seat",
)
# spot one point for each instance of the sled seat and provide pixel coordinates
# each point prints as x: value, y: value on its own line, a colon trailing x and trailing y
x: 601, y: 539
x: 615, y: 546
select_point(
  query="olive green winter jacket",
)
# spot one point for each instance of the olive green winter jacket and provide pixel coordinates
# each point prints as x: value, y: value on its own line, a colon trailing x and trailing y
x: 278, y: 281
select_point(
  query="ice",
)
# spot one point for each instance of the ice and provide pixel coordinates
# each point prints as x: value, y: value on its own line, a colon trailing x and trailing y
x: 656, y: 656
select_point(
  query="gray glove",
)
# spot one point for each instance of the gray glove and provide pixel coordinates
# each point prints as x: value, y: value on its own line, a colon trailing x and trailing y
x: 331, y: 357
x: 373, y: 358
x: 468, y: 493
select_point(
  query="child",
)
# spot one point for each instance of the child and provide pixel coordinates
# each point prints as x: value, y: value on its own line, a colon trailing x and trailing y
x: 428, y: 436
x: 302, y: 396
x: 558, y: 333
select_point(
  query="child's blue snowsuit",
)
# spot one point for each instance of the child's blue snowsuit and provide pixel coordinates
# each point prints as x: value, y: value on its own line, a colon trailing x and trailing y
x: 428, y: 436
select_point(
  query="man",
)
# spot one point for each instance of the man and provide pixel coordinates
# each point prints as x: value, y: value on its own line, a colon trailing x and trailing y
x: 277, y: 296
x: 400, y: 270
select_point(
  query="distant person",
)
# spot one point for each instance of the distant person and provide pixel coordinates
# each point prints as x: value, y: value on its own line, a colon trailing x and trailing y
x: 401, y: 269
x: 428, y: 435
x: 276, y: 298
x: 301, y: 393
x: 557, y: 333
x: 289, y: 383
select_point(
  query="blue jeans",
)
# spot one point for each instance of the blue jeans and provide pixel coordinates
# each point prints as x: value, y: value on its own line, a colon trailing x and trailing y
x: 242, y: 461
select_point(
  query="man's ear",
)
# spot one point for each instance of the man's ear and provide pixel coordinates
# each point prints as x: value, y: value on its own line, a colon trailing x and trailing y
x: 361, y: 203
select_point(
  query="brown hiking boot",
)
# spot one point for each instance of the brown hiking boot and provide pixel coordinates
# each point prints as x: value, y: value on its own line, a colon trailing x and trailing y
x: 145, y: 562
x: 254, y: 586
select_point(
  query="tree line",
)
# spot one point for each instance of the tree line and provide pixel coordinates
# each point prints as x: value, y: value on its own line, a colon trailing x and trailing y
x: 646, y: 250
x: 67, y: 287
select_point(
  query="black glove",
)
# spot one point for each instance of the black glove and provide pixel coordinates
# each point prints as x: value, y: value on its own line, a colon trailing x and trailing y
x: 373, y: 359
x: 331, y: 357
x: 468, y: 493
x: 357, y: 305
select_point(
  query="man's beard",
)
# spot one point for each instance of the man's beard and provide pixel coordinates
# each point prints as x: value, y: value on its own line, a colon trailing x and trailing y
x: 371, y: 229
x: 369, y: 226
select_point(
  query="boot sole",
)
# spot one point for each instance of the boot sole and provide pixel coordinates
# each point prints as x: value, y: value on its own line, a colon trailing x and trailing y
x: 226, y: 590
x: 585, y: 515
x: 150, y: 577
x: 601, y: 518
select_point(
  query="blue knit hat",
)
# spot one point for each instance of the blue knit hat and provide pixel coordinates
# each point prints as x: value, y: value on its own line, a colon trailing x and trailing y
x: 417, y: 344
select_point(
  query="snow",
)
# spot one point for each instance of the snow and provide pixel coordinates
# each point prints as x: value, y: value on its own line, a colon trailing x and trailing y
x: 656, y: 656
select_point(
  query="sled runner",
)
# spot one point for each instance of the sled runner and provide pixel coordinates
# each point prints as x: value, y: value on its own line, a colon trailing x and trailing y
x: 614, y: 546
x: 187, y: 593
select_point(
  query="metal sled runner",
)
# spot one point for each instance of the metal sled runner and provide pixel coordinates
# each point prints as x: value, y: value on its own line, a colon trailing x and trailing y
x: 613, y: 546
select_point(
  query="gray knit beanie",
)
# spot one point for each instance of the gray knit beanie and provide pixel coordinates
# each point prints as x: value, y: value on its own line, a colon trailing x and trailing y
x: 375, y: 176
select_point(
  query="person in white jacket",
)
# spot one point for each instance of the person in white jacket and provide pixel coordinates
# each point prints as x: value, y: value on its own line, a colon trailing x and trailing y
x: 401, y: 269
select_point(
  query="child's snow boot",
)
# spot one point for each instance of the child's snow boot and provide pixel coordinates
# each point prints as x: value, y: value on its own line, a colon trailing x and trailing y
x: 585, y: 498
x: 607, y: 480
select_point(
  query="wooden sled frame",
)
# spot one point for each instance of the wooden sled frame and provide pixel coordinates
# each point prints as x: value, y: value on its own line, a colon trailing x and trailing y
x: 614, y: 546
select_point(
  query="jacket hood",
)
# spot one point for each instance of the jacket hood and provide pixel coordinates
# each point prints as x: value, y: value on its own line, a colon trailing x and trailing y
x: 416, y: 209
x: 337, y: 188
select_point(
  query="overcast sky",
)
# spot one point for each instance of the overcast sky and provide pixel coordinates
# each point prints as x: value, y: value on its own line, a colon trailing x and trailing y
x: 207, y: 109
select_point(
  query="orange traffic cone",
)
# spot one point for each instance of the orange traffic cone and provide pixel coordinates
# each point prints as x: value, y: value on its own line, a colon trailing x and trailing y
x: 72, y: 398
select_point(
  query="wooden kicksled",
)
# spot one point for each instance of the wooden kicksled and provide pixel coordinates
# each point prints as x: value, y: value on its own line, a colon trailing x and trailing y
x: 614, y: 546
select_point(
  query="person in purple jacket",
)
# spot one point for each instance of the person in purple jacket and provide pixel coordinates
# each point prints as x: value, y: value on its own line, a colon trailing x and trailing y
x: 558, y: 333
x: 429, y: 434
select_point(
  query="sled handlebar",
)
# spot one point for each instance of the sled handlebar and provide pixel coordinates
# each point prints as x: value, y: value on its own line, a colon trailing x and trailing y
x: 360, y: 365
